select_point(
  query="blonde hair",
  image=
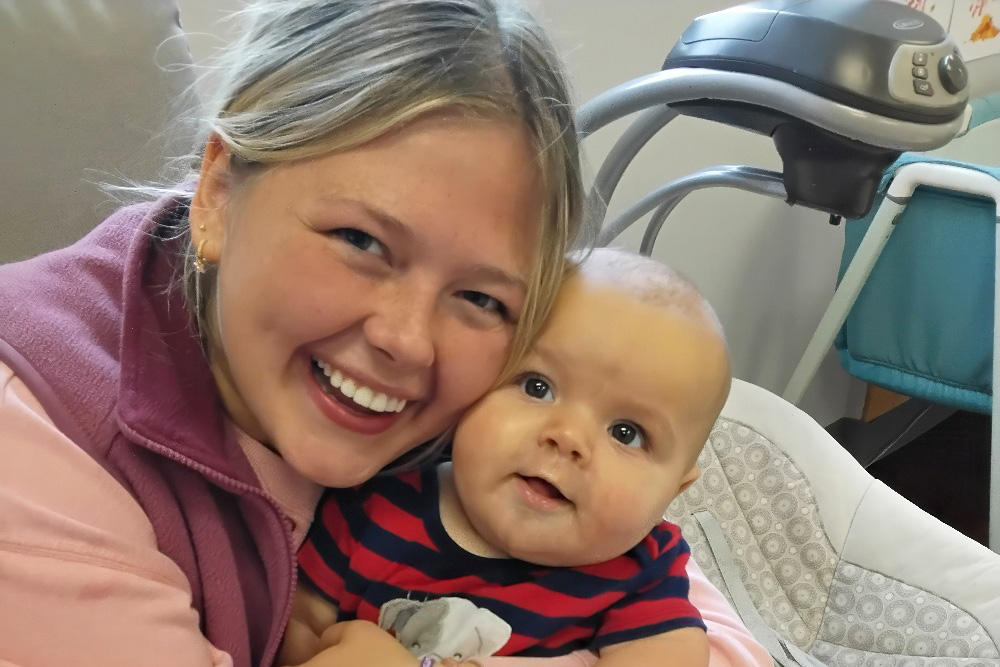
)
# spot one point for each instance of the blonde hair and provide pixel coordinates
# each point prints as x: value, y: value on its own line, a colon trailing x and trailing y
x: 311, y: 77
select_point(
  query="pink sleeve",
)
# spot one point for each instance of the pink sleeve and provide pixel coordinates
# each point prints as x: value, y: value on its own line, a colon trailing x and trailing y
x: 81, y: 577
x: 730, y: 643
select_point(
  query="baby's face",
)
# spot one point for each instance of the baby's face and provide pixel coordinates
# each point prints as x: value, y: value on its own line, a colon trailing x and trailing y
x: 575, y: 459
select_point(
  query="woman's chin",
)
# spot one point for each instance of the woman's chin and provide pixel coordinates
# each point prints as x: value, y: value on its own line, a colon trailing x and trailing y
x: 338, y: 458
x: 335, y: 468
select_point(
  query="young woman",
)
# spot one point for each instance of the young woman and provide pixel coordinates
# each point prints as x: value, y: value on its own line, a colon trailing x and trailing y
x: 375, y: 227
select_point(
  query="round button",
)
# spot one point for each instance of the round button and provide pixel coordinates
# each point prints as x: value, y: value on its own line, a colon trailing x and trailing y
x: 954, y: 76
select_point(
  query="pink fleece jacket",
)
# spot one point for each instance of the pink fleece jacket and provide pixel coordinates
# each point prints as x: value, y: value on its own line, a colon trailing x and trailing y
x: 82, y: 581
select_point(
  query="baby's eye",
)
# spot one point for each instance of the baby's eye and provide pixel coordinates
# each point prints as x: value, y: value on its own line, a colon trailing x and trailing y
x: 628, y: 434
x: 360, y: 240
x: 536, y: 387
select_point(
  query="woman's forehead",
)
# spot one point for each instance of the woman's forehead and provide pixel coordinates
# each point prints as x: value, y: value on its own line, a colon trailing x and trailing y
x: 437, y: 192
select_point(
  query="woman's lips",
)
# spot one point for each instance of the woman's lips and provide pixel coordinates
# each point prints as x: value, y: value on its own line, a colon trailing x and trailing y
x: 344, y: 412
x: 359, y: 392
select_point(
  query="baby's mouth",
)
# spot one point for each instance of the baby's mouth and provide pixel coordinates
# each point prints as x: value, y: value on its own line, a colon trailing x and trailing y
x: 544, y: 488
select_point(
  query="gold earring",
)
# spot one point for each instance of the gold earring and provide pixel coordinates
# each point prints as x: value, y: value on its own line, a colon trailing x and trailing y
x: 199, y: 259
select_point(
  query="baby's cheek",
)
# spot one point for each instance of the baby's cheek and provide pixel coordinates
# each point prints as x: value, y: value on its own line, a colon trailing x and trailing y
x: 625, y: 511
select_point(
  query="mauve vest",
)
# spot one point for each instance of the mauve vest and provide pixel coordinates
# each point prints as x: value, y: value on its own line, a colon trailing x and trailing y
x: 104, y: 342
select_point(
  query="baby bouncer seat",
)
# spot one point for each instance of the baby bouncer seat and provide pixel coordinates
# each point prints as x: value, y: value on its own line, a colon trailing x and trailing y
x: 825, y: 564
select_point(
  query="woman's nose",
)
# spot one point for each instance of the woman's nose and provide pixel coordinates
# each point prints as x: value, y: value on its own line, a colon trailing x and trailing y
x: 401, y: 327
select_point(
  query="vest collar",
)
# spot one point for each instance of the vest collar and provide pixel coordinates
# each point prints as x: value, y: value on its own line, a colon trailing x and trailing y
x: 183, y: 418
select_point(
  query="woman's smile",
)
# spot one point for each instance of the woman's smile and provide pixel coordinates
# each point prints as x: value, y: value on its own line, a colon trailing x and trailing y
x: 343, y: 409
x: 348, y: 388
x: 346, y: 314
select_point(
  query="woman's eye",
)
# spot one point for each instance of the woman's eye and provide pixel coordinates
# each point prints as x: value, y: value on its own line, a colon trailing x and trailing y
x: 360, y: 240
x: 536, y: 387
x: 484, y: 301
x: 628, y: 434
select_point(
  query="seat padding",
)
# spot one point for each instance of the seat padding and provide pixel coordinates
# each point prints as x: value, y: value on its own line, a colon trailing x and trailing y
x: 835, y: 561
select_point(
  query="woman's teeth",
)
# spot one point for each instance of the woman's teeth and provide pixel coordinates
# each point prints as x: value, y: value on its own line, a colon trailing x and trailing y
x: 364, y: 396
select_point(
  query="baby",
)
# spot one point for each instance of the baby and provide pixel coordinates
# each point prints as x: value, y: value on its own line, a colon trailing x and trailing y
x: 548, y: 522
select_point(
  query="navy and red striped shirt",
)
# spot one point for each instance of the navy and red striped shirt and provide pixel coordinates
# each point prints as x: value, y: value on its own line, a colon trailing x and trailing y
x: 385, y: 541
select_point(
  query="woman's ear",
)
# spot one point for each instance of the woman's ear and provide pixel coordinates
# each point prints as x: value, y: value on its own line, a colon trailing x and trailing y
x: 211, y: 196
x: 692, y: 475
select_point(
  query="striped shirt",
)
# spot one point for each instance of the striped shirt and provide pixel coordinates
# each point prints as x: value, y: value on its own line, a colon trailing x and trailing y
x: 384, y: 541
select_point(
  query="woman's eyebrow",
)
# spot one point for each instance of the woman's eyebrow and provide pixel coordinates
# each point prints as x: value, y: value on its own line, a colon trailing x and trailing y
x: 485, y: 271
x: 497, y: 275
x: 388, y: 220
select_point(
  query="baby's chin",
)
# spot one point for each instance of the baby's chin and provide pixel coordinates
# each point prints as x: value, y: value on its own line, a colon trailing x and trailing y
x: 558, y: 551
x: 562, y: 558
x: 553, y: 544
x: 559, y: 554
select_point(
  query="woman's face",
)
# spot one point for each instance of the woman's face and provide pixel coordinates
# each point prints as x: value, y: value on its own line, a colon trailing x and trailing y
x: 366, y: 298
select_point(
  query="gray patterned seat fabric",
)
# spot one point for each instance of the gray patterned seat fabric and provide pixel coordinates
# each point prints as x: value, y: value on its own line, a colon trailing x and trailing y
x: 834, y: 561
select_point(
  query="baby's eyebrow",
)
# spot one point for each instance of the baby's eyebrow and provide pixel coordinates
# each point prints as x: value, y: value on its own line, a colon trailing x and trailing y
x: 545, y: 353
x: 649, y: 418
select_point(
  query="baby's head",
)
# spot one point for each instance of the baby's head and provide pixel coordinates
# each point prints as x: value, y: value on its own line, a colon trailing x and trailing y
x: 574, y: 459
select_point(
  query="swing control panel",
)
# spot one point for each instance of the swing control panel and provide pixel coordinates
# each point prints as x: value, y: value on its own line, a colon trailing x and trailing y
x: 876, y: 56
x: 871, y: 64
x: 931, y: 75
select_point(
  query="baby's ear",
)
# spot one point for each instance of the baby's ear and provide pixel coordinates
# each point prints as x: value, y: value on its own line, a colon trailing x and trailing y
x: 692, y: 475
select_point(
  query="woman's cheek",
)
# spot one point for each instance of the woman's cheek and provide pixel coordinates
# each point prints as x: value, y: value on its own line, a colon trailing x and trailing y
x: 480, y: 353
